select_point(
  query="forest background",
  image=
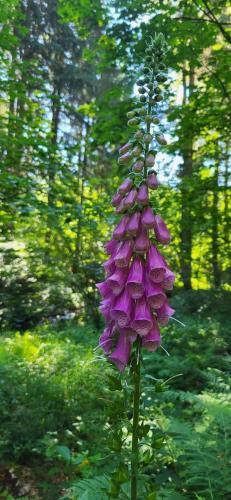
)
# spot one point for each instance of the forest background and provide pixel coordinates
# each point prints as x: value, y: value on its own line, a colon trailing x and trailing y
x: 67, y: 79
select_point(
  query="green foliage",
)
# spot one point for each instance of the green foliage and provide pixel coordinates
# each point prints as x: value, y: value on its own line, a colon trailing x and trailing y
x: 66, y: 80
x: 65, y: 414
x: 89, y: 489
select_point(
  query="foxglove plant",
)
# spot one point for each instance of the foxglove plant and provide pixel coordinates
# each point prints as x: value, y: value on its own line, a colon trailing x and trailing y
x: 134, y: 303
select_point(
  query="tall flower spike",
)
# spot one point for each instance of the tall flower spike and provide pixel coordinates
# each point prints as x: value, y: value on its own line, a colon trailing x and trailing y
x: 133, y: 295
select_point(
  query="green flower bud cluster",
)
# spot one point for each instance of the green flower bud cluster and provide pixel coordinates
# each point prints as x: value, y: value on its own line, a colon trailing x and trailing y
x: 144, y: 119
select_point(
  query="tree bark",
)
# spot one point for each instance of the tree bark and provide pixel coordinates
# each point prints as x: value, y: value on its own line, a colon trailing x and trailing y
x: 186, y: 199
x: 215, y: 220
x: 56, y: 108
x: 82, y: 169
x: 226, y: 230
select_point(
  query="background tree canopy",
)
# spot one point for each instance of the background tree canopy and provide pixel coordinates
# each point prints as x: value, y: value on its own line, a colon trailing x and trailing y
x: 67, y: 78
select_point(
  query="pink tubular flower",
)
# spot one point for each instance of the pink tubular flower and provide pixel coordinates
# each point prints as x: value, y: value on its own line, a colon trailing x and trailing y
x: 152, y: 181
x: 135, y: 281
x: 121, y: 354
x: 130, y: 334
x: 122, y: 309
x: 142, y: 196
x: 105, y: 340
x: 130, y: 199
x: 141, y: 242
x: 143, y: 319
x: 109, y: 265
x: 124, y: 253
x: 105, y: 307
x: 154, y: 293
x: 104, y: 289
x: 161, y: 231
x: 148, y: 218
x: 133, y: 224
x: 152, y: 340
x: 155, y: 265
x: 117, y: 280
x: 120, y: 229
x: 111, y: 246
x: 120, y: 209
x: 116, y: 200
x: 125, y: 186
x: 169, y: 279
x: 164, y: 313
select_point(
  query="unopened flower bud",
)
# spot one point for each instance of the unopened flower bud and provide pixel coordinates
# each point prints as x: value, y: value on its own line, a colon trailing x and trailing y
x: 130, y: 199
x: 116, y: 200
x: 147, y: 138
x: 125, y: 158
x: 155, y: 120
x: 125, y: 186
x: 142, y: 90
x: 143, y: 98
x: 161, y: 231
x: 146, y: 70
x: 131, y: 114
x: 141, y: 242
x: 142, y: 111
x: 120, y: 209
x: 142, y: 196
x: 159, y: 98
x: 137, y: 150
x: 120, y: 229
x: 148, y: 218
x: 152, y: 181
x: 150, y: 160
x: 124, y: 148
x: 161, y: 78
x: 139, y: 134
x: 146, y: 79
x: 148, y: 119
x: 133, y: 224
x: 161, y: 140
x: 138, y: 166
x: 140, y: 83
x: 133, y: 122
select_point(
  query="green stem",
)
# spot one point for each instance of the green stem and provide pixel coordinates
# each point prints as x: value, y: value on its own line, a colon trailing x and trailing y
x: 135, y: 425
x: 149, y: 109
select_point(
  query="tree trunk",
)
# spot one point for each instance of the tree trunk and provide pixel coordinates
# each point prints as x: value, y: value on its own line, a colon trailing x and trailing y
x: 226, y: 230
x: 186, y: 197
x: 82, y: 169
x: 215, y: 220
x: 56, y: 108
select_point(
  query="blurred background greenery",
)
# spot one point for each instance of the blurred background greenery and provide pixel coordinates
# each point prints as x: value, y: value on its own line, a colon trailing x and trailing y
x: 67, y: 78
